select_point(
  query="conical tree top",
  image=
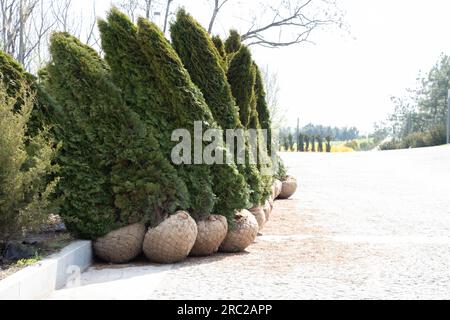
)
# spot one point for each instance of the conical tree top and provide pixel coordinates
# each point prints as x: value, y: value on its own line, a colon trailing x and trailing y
x: 196, y: 49
x: 242, y: 78
x: 233, y: 43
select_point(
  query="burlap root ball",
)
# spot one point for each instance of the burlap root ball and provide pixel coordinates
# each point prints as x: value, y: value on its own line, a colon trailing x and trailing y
x: 172, y: 240
x: 278, y: 187
x: 211, y: 233
x: 122, y: 245
x: 267, y: 210
x: 289, y: 188
x: 260, y: 216
x: 242, y: 235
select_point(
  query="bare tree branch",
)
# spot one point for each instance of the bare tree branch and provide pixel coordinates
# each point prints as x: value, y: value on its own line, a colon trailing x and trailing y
x: 166, y: 17
x: 217, y: 6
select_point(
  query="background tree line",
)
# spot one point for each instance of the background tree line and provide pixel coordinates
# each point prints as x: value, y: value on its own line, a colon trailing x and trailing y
x: 419, y: 116
x: 314, y: 138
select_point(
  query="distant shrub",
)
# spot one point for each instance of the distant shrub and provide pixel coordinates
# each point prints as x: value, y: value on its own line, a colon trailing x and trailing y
x: 352, y: 144
x: 436, y: 136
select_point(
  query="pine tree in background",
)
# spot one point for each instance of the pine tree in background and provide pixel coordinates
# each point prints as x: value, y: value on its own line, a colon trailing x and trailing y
x: 112, y: 171
x: 313, y: 144
x: 307, y: 142
x: 291, y: 142
x: 301, y: 142
x: 233, y: 43
x: 320, y: 143
x: 328, y: 138
x: 15, y: 78
x: 153, y: 100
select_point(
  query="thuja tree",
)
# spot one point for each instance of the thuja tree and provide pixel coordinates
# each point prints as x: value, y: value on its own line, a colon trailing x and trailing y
x: 220, y: 46
x: 112, y: 171
x: 25, y: 164
x: 242, y: 78
x: 189, y: 105
x: 233, y: 42
x: 262, y: 107
x: 134, y: 73
x: 197, y: 52
x: 202, y: 60
x: 18, y: 82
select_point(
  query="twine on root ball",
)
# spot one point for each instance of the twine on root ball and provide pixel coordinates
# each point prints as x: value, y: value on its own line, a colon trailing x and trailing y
x: 122, y: 245
x: 172, y: 240
x: 211, y: 233
x: 242, y: 235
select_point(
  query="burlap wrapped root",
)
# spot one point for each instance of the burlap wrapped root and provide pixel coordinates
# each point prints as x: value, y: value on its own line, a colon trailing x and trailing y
x: 260, y: 216
x: 122, y: 245
x: 289, y: 187
x: 172, y: 240
x: 211, y: 233
x: 242, y: 234
x: 277, y: 187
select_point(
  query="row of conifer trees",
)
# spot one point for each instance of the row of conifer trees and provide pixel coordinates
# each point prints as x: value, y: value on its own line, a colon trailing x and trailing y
x: 112, y: 118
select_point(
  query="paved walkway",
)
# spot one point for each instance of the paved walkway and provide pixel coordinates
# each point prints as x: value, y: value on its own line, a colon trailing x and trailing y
x: 363, y: 225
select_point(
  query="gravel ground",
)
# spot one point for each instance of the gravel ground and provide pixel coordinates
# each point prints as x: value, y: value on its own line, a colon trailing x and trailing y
x: 372, y: 225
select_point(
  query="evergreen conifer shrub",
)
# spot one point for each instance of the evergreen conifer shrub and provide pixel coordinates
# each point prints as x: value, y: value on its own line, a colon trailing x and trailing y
x: 220, y: 46
x: 112, y: 171
x: 18, y: 82
x: 233, y: 42
x: 242, y: 78
x: 137, y: 77
x: 25, y: 164
x: 173, y: 79
x: 196, y: 50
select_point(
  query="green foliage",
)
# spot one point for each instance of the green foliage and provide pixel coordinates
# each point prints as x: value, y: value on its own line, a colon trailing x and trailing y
x: 173, y: 80
x: 307, y: 142
x: 15, y: 79
x: 281, y: 173
x: 233, y: 43
x: 301, y: 143
x: 139, y: 78
x: 198, y: 54
x: 197, y: 51
x: 242, y: 78
x: 320, y: 143
x: 112, y: 171
x: 352, y: 144
x: 328, y: 145
x: 25, y: 164
x: 436, y: 136
x: 218, y: 43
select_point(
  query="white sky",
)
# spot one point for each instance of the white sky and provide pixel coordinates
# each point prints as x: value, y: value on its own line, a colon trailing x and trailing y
x: 348, y: 79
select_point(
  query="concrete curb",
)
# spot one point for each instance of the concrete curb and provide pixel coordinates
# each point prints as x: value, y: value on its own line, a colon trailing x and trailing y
x: 40, y: 280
